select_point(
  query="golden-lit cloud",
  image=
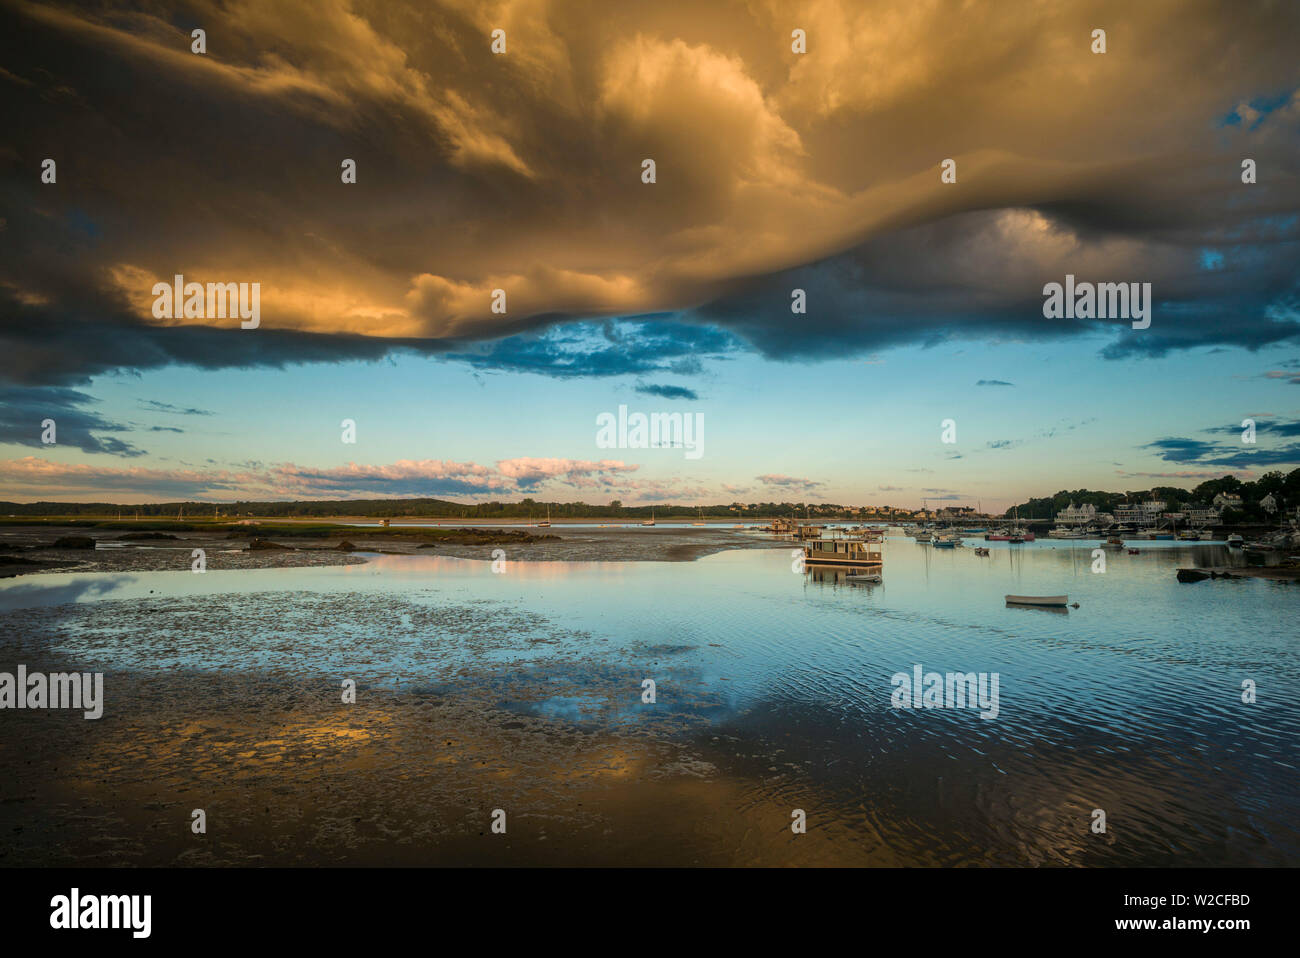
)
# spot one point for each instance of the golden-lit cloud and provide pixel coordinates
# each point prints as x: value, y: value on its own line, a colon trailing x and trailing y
x: 521, y: 171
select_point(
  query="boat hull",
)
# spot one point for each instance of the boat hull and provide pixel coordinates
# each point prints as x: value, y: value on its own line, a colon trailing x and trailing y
x: 831, y: 560
x: 1052, y: 600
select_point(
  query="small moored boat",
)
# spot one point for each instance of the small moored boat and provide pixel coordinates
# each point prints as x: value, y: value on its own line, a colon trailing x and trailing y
x: 1052, y: 600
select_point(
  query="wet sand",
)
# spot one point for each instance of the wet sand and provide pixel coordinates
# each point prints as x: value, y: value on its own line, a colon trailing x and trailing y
x: 289, y: 774
x: 286, y: 777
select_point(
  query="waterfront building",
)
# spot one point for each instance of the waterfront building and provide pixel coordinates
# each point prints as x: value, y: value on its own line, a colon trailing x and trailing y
x: 1083, y: 515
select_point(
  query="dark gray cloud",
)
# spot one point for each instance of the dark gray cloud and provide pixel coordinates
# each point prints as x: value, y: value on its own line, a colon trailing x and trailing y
x: 1235, y: 454
x: 604, y: 349
x: 792, y: 483
x: 1263, y: 427
x: 667, y: 392
x: 22, y: 412
x: 156, y: 406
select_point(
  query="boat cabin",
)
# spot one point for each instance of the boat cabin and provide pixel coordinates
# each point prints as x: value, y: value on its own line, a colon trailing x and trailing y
x: 863, y: 553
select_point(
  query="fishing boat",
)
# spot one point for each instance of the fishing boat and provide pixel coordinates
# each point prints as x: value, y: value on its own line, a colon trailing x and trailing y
x: 1064, y: 532
x: 650, y: 521
x: 997, y: 535
x: 1114, y: 542
x: 1056, y: 601
x: 1235, y: 541
x: 862, y: 553
x: 946, y: 542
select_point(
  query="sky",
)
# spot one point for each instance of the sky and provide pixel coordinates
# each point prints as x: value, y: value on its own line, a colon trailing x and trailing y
x: 523, y: 171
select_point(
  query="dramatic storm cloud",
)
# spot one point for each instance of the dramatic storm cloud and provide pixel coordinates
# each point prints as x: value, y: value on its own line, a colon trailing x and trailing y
x: 522, y: 172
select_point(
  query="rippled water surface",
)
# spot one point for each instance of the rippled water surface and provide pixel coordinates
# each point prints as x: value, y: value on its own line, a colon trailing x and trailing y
x: 777, y: 684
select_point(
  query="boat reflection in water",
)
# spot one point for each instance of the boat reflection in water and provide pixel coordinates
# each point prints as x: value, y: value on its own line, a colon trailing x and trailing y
x: 843, y: 575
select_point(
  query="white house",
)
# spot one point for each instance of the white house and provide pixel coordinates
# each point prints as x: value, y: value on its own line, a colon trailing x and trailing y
x: 1201, y: 516
x: 1077, y: 515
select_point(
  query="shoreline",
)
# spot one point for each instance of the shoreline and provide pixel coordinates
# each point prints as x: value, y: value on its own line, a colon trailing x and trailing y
x: 29, y: 550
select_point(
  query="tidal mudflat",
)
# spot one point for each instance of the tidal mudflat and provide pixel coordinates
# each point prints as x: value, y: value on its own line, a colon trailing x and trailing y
x: 521, y: 690
x: 33, y: 549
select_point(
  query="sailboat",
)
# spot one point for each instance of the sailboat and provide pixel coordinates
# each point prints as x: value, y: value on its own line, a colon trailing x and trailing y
x: 650, y: 521
x: 1014, y: 535
x: 547, y: 523
x: 701, y: 522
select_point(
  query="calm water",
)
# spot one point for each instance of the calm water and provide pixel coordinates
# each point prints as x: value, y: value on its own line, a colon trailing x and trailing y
x: 1130, y: 703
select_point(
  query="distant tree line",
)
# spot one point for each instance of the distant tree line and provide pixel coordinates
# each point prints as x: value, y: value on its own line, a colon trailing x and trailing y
x: 1284, y: 487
